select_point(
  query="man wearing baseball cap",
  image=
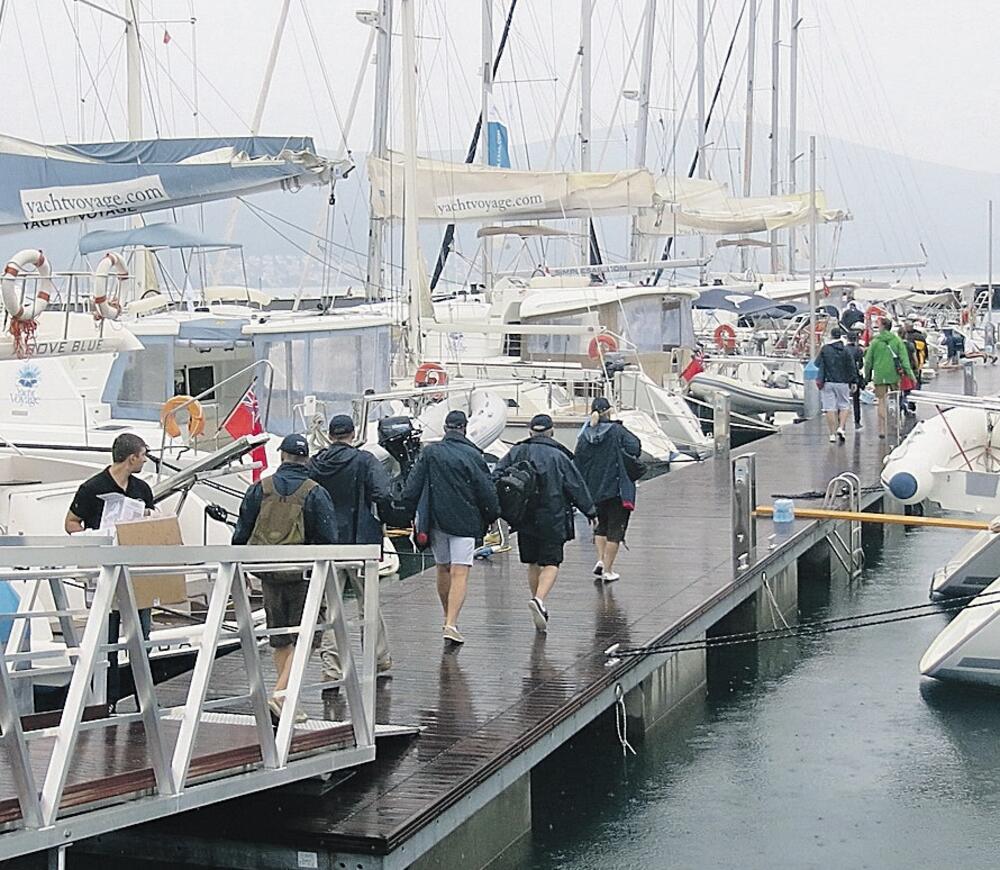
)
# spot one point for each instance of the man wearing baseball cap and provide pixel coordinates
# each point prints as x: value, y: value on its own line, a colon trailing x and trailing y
x: 356, y: 483
x: 548, y: 523
x: 286, y: 508
x: 452, y: 480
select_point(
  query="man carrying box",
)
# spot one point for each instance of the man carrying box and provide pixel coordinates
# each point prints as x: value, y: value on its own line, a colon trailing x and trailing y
x: 286, y: 508
x: 128, y: 456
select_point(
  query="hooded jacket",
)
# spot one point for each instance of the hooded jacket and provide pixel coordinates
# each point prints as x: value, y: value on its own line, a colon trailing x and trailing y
x: 320, y: 518
x: 463, y: 499
x: 356, y: 481
x: 560, y: 488
x: 599, y: 452
x: 835, y: 364
x: 880, y: 362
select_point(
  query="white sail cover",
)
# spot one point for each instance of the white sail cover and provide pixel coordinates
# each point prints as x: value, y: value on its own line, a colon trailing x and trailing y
x: 455, y: 192
x: 50, y: 185
x: 694, y: 205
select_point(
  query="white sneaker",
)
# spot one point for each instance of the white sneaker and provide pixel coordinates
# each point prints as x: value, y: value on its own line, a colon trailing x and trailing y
x: 610, y: 576
x: 598, y: 568
x: 841, y: 435
x: 833, y: 438
x: 539, y: 614
x: 451, y: 634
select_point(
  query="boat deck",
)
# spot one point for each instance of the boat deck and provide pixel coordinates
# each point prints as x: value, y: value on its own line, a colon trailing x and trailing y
x: 508, y: 689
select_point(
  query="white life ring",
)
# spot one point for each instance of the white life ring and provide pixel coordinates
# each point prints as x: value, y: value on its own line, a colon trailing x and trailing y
x: 109, y: 309
x: 29, y: 311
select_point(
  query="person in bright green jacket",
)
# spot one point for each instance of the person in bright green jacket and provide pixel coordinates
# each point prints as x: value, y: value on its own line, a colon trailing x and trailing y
x: 886, y: 358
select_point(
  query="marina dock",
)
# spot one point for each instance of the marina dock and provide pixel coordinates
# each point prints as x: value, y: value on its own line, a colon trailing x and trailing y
x: 459, y: 794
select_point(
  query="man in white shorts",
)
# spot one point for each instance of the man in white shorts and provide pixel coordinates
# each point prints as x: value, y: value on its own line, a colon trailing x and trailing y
x: 450, y: 491
x: 837, y: 371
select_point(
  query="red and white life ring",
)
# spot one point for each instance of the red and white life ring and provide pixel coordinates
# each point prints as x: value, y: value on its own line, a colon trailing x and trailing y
x: 600, y: 345
x: 109, y: 308
x: 28, y: 311
x: 872, y: 325
x: 725, y: 337
x: 430, y: 374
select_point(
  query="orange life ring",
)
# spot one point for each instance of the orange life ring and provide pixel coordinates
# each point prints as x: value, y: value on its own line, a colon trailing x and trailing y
x: 725, y: 337
x: 430, y: 374
x: 196, y: 416
x: 600, y: 345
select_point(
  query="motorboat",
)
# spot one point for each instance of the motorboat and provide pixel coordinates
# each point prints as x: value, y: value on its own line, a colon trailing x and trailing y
x: 970, y: 570
x: 753, y: 388
x: 968, y: 649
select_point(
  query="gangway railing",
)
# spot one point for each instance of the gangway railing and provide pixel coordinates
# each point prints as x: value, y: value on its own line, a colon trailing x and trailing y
x: 85, y: 774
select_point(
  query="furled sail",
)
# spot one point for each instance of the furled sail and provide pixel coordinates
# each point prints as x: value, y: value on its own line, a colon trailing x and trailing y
x: 455, y: 192
x: 49, y: 185
x: 692, y: 205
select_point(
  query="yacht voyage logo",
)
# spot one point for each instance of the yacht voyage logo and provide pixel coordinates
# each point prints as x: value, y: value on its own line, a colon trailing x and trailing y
x: 92, y: 200
x: 25, y: 392
x: 466, y: 205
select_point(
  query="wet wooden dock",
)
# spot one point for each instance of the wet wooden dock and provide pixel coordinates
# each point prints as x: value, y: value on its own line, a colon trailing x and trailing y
x: 494, y: 707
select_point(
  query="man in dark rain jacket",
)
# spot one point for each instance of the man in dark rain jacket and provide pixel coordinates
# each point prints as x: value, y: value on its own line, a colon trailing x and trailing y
x: 549, y: 520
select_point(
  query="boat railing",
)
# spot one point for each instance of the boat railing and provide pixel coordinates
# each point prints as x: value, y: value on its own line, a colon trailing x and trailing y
x: 172, y: 414
x: 65, y: 782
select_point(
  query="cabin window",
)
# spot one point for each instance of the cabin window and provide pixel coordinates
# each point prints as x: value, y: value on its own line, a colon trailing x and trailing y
x: 195, y: 380
x: 139, y: 381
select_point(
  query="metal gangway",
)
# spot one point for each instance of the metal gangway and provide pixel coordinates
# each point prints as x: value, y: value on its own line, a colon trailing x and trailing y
x: 80, y: 772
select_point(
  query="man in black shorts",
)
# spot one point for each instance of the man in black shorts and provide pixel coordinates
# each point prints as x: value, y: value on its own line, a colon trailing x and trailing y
x: 549, y: 521
x: 128, y: 455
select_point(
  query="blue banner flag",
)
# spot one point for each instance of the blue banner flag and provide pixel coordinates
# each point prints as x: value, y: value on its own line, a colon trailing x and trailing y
x: 496, y: 134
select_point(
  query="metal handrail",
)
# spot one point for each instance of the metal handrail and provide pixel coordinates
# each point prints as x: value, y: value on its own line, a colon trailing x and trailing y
x: 42, y: 820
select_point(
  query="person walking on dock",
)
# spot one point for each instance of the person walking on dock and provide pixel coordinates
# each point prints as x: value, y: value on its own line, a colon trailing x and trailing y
x: 128, y: 455
x: 548, y: 518
x: 886, y: 361
x: 602, y: 451
x: 286, y: 508
x: 356, y: 483
x: 451, y: 484
x: 837, y: 371
x: 858, y: 384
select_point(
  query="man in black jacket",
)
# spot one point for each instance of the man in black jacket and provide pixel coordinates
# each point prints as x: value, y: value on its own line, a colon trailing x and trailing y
x: 837, y: 371
x: 356, y: 482
x: 451, y: 484
x: 858, y: 358
x: 549, y: 521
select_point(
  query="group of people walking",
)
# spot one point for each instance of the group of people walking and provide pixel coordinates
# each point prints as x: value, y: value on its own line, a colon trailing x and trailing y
x: 339, y: 495
x: 892, y: 362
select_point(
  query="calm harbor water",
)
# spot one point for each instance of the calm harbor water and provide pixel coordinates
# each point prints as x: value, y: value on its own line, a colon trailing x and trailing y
x: 829, y: 751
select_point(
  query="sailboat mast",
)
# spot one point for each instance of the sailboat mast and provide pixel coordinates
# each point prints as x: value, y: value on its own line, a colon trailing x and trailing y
x: 748, y: 125
x: 642, y: 122
x: 133, y: 85
x: 586, y: 13
x: 411, y: 236
x: 700, y: 87
x: 793, y: 118
x: 380, y: 143
x: 775, y: 108
x: 484, y: 127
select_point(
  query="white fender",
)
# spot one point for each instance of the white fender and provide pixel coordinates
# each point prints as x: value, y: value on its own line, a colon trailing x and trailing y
x: 109, y: 309
x: 29, y: 311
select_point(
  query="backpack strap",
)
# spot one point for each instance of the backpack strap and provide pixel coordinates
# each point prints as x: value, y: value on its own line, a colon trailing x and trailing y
x: 267, y: 486
x: 301, y: 493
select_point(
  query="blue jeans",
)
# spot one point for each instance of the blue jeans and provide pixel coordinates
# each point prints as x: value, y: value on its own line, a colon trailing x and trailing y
x: 114, y: 627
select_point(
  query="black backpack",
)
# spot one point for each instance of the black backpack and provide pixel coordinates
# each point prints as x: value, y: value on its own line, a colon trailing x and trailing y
x: 517, y: 489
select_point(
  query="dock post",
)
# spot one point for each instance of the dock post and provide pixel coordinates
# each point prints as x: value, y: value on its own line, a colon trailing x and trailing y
x: 720, y: 423
x: 744, y: 490
x: 969, y: 387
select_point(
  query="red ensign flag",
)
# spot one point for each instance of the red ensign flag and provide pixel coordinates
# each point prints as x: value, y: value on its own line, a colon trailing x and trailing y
x: 244, y: 419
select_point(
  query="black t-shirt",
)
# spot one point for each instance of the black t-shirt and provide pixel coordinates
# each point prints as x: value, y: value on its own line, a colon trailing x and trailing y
x: 88, y: 505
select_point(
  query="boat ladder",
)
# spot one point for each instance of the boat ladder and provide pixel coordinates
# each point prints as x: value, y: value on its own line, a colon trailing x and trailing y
x: 844, y: 493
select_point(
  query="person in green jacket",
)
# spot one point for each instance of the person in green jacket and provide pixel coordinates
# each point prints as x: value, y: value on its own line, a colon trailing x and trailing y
x: 886, y: 359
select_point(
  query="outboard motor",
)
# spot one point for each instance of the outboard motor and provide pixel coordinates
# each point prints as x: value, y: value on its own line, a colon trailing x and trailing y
x: 401, y: 440
x: 614, y: 362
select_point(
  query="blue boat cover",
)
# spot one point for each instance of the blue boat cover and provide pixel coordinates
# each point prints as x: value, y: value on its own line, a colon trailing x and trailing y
x: 735, y: 302
x: 152, y: 236
x: 42, y: 185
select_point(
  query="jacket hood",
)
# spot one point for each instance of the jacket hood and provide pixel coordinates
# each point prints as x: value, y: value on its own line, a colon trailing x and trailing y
x: 289, y: 476
x: 596, y: 434
x: 333, y: 459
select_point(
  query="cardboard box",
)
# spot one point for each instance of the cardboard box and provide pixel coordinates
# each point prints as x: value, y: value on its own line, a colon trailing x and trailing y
x: 152, y: 590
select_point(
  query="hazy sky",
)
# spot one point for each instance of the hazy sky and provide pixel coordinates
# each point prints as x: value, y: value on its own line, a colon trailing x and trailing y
x: 913, y: 76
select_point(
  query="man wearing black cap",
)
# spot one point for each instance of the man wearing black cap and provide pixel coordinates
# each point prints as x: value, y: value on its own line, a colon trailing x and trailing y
x: 452, y: 479
x: 356, y: 482
x: 548, y: 524
x: 286, y: 508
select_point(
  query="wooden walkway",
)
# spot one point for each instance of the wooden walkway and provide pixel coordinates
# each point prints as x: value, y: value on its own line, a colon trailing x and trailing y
x: 485, y: 703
